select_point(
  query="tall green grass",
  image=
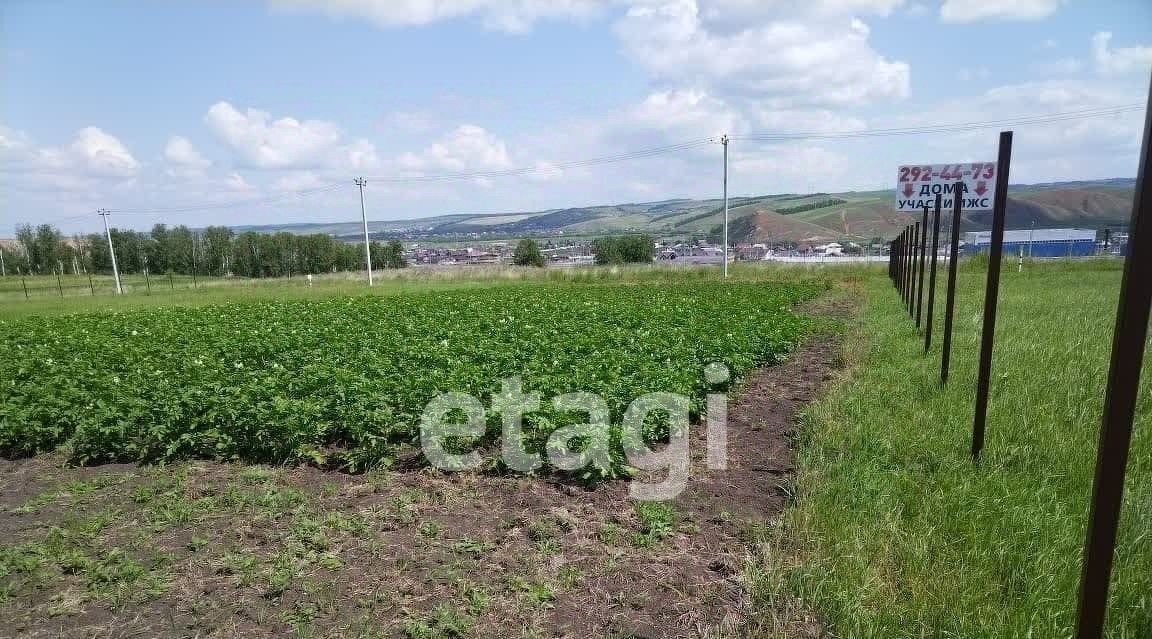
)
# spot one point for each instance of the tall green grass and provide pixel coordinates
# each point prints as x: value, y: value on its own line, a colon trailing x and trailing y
x: 895, y: 533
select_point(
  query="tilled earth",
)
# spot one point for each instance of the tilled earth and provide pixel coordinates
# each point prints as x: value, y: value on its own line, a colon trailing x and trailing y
x: 204, y: 549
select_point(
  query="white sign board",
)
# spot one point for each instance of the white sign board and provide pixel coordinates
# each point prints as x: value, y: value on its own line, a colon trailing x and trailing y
x: 917, y: 186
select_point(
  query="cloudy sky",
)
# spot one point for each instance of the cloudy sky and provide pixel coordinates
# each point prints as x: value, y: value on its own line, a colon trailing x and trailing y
x: 250, y: 112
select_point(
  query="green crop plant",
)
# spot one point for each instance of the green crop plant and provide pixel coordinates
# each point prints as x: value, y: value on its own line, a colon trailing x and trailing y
x: 343, y: 381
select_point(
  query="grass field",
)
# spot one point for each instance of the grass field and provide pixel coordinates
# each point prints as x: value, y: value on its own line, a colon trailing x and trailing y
x: 895, y: 533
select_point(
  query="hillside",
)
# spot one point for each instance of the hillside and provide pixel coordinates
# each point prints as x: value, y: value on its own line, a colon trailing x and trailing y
x: 793, y: 217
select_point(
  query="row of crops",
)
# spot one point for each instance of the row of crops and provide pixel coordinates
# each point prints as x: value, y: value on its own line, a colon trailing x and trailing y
x: 344, y: 381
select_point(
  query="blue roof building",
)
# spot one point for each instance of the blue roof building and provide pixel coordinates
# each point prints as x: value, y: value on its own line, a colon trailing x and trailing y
x: 1037, y: 242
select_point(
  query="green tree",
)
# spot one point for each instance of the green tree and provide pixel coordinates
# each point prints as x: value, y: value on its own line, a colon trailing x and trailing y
x: 43, y: 247
x: 392, y: 255
x: 528, y: 254
x: 624, y: 249
x: 160, y: 250
x: 217, y: 249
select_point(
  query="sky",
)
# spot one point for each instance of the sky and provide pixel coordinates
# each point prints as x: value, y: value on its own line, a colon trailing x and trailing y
x: 261, y: 112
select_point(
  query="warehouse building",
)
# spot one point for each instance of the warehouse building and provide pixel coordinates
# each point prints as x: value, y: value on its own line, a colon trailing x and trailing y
x: 1037, y: 242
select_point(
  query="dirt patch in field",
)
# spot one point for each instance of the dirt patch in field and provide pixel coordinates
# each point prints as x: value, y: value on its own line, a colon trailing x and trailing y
x: 226, y: 550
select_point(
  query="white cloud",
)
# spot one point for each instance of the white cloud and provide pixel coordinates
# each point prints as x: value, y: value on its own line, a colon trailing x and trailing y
x: 183, y: 158
x: 92, y: 153
x: 358, y: 155
x: 12, y: 141
x: 268, y: 143
x: 1119, y: 60
x: 287, y: 143
x: 468, y: 148
x: 236, y: 182
x: 513, y: 16
x: 179, y: 151
x: 785, y: 56
x: 688, y: 113
x: 974, y: 10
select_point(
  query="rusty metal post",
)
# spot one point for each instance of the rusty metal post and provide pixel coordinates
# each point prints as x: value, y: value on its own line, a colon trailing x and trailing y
x: 992, y: 293
x: 920, y: 286
x: 1119, y: 405
x: 932, y: 274
x: 950, y: 300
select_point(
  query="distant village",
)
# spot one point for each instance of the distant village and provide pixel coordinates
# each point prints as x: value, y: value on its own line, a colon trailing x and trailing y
x: 572, y: 253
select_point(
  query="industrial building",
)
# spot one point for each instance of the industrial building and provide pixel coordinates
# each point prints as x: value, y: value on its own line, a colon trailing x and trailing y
x: 1037, y: 242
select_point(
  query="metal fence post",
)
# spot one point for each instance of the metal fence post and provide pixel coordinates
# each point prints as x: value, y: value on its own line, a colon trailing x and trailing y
x: 891, y: 249
x: 992, y: 293
x: 1119, y: 405
x: 899, y: 262
x: 920, y: 287
x: 932, y: 274
x: 901, y: 266
x: 912, y: 275
x: 950, y: 301
x: 907, y: 265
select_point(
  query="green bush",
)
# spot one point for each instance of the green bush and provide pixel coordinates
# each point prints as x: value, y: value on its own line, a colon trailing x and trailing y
x: 528, y: 254
x: 624, y: 249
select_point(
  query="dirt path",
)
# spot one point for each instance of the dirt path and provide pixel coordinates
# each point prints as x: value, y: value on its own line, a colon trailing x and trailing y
x: 217, y: 550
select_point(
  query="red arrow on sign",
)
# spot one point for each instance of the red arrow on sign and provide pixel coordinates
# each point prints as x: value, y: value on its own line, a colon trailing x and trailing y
x: 908, y: 190
x: 981, y: 188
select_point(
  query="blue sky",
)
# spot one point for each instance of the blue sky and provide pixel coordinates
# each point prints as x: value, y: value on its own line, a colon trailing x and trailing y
x: 232, y: 109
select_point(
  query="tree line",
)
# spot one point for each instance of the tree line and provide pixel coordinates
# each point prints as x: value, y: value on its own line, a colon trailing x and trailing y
x: 212, y: 251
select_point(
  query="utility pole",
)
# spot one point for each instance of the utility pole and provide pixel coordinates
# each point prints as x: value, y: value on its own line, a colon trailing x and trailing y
x: 360, y: 182
x: 111, y: 251
x: 724, y: 141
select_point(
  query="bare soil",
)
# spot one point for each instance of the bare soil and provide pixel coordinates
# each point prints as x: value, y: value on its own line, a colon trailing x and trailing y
x: 204, y: 549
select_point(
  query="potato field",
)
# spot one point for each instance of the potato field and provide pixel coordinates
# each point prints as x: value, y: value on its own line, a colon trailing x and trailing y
x: 342, y: 382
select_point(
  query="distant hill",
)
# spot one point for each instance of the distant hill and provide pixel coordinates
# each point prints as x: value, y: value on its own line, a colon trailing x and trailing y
x: 783, y: 217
